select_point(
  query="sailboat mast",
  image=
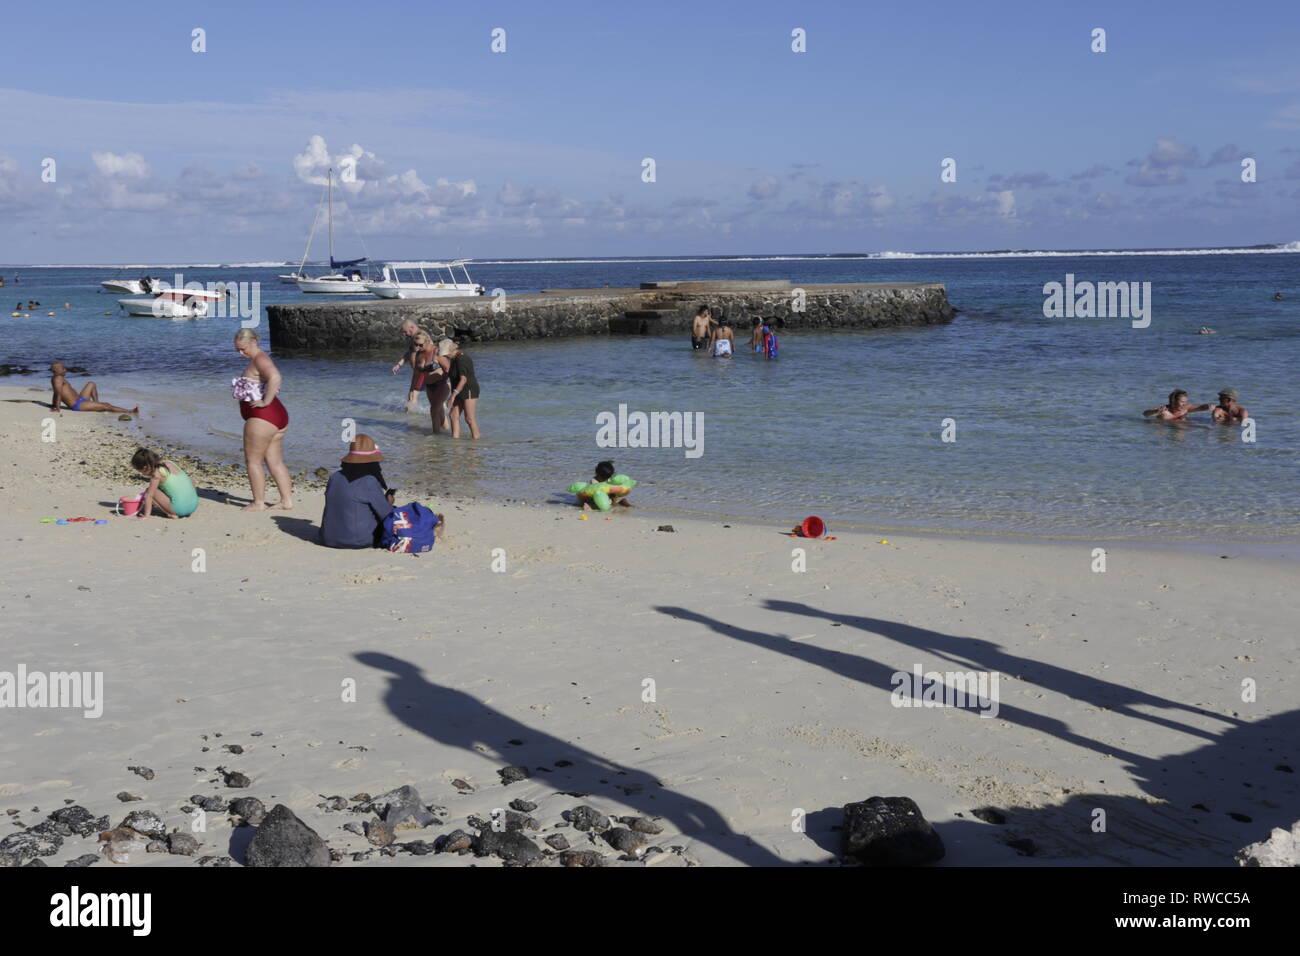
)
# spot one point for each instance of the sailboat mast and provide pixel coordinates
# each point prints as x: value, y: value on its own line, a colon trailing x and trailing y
x: 330, y: 188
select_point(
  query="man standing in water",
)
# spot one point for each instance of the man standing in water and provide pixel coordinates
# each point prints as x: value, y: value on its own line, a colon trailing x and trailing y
x: 701, y: 328
x: 87, y: 400
x: 1228, y: 412
x: 409, y: 331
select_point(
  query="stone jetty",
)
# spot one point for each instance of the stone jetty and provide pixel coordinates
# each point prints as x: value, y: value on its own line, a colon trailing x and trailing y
x: 656, y: 308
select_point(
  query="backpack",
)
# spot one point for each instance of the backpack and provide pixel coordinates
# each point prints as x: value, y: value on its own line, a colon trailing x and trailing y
x: 409, y: 529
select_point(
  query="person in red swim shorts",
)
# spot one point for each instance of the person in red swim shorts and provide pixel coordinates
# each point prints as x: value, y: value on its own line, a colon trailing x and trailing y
x: 265, y: 422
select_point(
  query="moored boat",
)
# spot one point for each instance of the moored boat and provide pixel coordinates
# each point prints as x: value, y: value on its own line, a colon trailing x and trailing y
x: 435, y: 280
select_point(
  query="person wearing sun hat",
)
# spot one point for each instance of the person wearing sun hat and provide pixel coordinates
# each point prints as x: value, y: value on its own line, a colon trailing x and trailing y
x: 357, y: 499
x: 1228, y: 412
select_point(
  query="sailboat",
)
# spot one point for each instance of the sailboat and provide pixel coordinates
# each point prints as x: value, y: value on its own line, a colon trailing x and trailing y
x: 346, y: 278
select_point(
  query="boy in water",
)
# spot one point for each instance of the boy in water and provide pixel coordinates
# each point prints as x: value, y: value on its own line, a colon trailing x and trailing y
x: 701, y: 327
x: 1228, y: 412
x: 1177, y: 410
x: 86, y: 401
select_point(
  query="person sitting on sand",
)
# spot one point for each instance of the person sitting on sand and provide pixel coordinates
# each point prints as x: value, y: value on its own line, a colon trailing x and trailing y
x: 701, y: 327
x: 87, y: 400
x: 357, y: 499
x: 722, y: 341
x: 170, y: 489
x: 1228, y: 412
x: 605, y: 490
x: 1178, y: 408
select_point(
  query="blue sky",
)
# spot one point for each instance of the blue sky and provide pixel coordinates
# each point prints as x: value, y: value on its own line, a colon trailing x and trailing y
x: 164, y: 154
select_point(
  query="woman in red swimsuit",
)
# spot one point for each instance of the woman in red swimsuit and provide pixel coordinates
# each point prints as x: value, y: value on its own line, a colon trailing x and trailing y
x: 265, y: 422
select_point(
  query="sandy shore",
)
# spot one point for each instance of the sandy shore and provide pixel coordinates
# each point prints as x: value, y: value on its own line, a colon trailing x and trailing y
x: 1118, y: 691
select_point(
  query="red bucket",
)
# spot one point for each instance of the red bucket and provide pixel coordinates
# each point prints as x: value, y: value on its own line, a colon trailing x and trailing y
x: 812, y: 527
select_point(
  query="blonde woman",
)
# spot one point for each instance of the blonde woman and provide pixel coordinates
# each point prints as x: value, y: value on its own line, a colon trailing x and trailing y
x: 265, y: 422
x: 464, y: 388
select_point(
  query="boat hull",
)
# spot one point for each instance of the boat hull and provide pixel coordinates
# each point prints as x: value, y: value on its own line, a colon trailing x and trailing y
x: 418, y: 290
x: 124, y: 286
x: 156, y: 308
x: 328, y: 286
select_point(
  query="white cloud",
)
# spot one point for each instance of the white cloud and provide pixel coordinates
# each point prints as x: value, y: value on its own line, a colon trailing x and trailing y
x: 128, y: 166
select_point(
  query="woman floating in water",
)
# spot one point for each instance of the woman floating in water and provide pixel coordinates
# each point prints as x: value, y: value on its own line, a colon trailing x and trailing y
x: 265, y: 422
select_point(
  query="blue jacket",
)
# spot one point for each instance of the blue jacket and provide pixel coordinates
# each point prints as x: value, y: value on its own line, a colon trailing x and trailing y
x: 354, y: 511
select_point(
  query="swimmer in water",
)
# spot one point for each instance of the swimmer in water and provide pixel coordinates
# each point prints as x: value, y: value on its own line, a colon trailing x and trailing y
x: 1228, y: 412
x: 1206, y: 330
x: 1178, y: 408
x: 723, y: 340
x: 1277, y: 296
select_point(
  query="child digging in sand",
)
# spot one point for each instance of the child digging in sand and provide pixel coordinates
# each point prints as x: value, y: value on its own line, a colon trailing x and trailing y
x: 605, y: 490
x: 170, y: 489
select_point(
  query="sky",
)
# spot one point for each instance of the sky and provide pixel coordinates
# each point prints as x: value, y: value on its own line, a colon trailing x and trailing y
x: 161, y: 153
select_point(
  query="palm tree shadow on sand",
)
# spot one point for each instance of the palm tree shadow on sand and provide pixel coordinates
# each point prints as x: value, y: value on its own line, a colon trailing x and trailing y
x: 456, y: 719
x: 1199, y: 808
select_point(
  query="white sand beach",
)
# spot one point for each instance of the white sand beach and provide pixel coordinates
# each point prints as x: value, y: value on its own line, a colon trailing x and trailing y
x: 1119, y: 691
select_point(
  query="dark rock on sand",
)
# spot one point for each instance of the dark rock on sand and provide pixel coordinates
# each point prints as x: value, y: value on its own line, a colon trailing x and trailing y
x: 513, y: 774
x: 142, y: 772
x: 461, y: 784
x: 666, y: 527
x: 380, y: 833
x: 86, y: 859
x: 523, y: 806
x: 402, y: 809
x: 556, y: 841
x: 79, y: 820
x: 584, y: 817
x: 890, y: 831
x: 284, y: 840
x: 126, y: 796
x: 249, y: 809
x: 35, y: 862
x: 210, y: 804
x: 457, y: 841
x: 236, y: 779
x: 623, y: 839
x: 182, y: 844
x: 581, y: 858
x: 418, y: 847
x: 511, y: 846
x: 641, y: 825
x: 1025, y: 847
x: 146, y: 822
x: 989, y: 815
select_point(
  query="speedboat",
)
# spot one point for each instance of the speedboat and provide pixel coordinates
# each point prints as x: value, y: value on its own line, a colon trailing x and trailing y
x: 174, y: 304
x: 436, y: 280
x: 142, y: 286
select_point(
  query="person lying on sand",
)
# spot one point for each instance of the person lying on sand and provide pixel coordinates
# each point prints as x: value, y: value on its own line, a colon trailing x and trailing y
x: 1228, y: 412
x: 1177, y: 410
x: 85, y: 401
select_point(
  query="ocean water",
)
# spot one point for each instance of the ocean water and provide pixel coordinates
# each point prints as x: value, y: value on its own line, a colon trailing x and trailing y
x: 847, y: 425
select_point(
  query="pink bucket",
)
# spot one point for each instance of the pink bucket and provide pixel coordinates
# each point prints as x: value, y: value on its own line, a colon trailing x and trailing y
x: 129, y: 506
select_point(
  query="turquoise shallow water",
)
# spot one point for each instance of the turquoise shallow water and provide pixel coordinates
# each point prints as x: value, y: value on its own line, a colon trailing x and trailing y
x: 847, y: 425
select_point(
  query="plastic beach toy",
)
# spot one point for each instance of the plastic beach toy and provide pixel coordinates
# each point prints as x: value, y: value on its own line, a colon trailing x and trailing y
x: 129, y: 505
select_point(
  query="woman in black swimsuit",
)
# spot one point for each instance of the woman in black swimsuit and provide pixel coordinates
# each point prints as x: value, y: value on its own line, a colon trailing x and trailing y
x: 464, y: 388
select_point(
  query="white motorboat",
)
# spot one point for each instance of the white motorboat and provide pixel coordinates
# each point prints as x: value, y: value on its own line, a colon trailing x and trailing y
x: 435, y: 280
x: 345, y: 279
x: 142, y: 286
x: 174, y: 304
x: 353, y: 283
